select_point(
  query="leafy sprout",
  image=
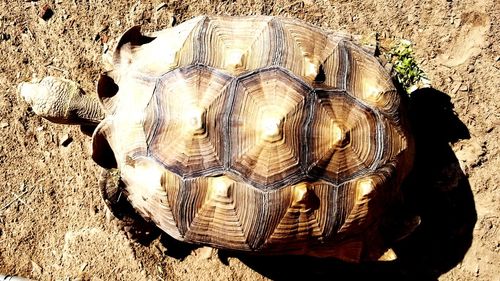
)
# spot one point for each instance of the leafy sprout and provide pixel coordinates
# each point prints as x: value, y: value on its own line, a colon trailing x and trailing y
x: 406, y: 69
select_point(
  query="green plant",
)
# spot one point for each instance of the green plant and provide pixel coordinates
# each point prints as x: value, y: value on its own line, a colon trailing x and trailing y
x: 407, y: 71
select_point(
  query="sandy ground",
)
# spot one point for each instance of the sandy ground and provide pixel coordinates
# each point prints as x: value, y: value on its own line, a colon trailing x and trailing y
x: 52, y: 220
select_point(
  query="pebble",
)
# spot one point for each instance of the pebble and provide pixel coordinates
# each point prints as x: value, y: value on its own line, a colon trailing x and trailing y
x: 83, y: 266
x: 104, y: 39
x: 464, y: 88
x: 162, y: 250
x: 204, y: 253
x: 455, y: 88
x: 4, y: 36
x: 161, y: 6
x: 35, y: 268
x: 471, y: 154
x: 4, y: 125
x: 45, y: 12
x: 65, y: 140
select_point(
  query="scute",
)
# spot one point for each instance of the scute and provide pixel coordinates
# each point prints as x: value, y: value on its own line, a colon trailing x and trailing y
x: 257, y: 134
x: 182, y: 134
x: 308, y: 52
x: 266, y: 124
x: 152, y: 191
x: 344, y: 139
x: 237, y: 46
x: 369, y: 82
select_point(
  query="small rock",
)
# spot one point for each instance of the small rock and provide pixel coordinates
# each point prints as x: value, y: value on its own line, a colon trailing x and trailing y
x: 204, y: 253
x: 4, y: 36
x: 471, y: 154
x: 164, y: 17
x: 35, y: 268
x: 104, y: 39
x: 160, y: 270
x: 388, y: 66
x: 65, y: 140
x: 4, y: 125
x: 45, y: 12
x: 83, y: 266
x: 464, y: 88
x: 455, y: 88
x: 162, y: 250
x: 104, y: 28
x: 161, y: 6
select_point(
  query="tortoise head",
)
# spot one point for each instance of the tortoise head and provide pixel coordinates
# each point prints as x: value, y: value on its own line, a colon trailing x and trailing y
x: 61, y: 101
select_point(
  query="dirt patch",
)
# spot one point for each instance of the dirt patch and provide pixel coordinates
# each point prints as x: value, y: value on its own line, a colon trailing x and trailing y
x: 52, y: 220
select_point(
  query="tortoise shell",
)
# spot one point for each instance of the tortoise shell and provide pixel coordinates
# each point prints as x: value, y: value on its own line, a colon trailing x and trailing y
x: 258, y: 134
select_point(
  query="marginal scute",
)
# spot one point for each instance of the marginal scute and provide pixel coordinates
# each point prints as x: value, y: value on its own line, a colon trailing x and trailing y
x: 127, y: 119
x: 314, y: 213
x: 395, y: 141
x: 152, y: 190
x: 369, y: 82
x: 236, y: 45
x: 367, y: 190
x: 309, y: 53
x: 172, y: 48
x: 215, y: 212
x: 127, y: 44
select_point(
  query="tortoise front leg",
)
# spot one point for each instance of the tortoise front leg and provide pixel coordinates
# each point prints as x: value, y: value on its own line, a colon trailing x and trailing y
x: 113, y: 193
x: 62, y: 101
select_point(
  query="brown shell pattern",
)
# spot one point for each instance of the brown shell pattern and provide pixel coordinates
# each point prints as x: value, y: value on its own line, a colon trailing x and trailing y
x: 255, y: 134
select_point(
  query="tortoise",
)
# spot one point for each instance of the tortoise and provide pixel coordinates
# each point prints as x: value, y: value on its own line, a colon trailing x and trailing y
x: 257, y: 134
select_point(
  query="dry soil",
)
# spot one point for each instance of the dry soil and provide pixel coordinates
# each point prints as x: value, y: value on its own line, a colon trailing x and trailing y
x: 52, y: 221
